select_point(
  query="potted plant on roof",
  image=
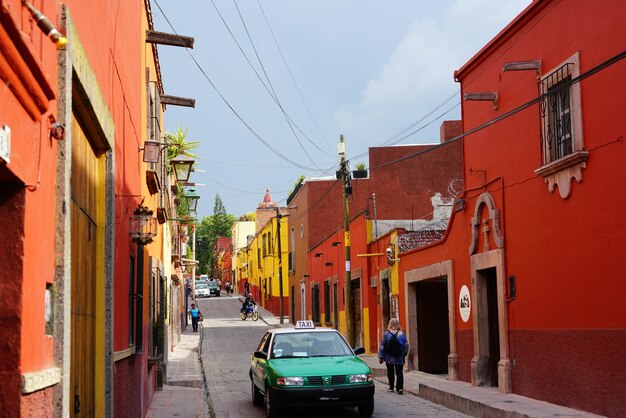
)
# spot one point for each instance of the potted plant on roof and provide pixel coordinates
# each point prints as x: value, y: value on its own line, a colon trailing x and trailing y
x: 360, y: 172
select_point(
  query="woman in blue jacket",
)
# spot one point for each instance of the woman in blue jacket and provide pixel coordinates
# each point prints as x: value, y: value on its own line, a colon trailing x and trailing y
x: 393, y: 348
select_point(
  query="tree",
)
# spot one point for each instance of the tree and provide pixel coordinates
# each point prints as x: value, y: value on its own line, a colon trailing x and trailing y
x: 217, y: 225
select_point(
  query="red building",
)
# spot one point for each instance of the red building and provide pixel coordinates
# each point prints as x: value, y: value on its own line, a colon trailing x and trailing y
x: 222, y: 261
x: 406, y: 188
x: 524, y: 292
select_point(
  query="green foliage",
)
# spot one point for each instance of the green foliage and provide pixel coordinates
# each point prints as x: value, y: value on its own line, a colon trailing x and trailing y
x: 250, y: 216
x: 217, y: 225
x: 179, y: 144
x: 359, y: 166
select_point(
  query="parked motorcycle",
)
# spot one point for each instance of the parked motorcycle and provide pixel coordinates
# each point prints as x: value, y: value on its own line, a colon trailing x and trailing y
x: 250, y: 312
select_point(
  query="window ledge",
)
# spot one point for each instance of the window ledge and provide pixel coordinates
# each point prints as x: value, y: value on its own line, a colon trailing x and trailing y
x: 561, y: 172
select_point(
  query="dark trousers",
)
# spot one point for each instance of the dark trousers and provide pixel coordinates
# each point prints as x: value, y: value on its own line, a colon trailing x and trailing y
x: 194, y: 323
x: 399, y: 377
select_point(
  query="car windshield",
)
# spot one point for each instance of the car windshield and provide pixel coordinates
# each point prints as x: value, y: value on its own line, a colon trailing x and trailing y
x: 212, y: 284
x: 310, y: 344
x: 201, y: 286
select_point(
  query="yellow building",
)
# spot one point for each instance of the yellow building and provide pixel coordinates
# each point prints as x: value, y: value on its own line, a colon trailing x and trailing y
x: 267, y: 255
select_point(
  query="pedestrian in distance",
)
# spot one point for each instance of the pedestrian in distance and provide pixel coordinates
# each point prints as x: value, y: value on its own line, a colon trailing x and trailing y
x: 195, y: 315
x: 393, y: 349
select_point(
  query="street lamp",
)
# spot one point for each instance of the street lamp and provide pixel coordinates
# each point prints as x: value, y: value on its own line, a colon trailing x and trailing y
x: 142, y: 231
x: 182, y: 165
x: 152, y: 151
x: 192, y: 198
x: 143, y: 225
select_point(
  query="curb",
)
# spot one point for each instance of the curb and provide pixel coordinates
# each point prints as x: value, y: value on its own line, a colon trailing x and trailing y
x: 208, y: 404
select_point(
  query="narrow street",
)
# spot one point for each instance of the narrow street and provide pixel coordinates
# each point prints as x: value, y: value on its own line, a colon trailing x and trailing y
x: 227, y: 344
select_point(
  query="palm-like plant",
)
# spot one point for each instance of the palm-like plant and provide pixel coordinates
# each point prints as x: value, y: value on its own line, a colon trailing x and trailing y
x: 178, y: 144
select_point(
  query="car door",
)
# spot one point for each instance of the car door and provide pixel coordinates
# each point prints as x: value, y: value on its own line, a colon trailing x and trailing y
x: 259, y: 365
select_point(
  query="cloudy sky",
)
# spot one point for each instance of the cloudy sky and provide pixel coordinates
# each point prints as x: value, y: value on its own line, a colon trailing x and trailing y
x: 277, y: 81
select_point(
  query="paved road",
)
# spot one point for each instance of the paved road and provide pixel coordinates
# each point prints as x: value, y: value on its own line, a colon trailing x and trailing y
x: 227, y: 344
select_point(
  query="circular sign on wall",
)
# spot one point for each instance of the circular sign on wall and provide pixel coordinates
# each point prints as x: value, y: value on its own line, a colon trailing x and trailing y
x: 465, y: 305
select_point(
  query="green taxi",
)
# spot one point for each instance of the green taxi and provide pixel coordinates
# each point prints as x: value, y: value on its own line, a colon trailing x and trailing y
x: 307, y: 366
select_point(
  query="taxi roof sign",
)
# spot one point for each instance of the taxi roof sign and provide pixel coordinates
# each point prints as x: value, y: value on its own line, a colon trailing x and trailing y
x: 306, y: 324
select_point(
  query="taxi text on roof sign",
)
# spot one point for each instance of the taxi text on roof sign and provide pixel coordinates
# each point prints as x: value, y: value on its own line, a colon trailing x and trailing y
x: 305, y: 325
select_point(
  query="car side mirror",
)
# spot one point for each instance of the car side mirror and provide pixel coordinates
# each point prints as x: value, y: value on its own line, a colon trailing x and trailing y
x: 359, y: 350
x: 260, y: 354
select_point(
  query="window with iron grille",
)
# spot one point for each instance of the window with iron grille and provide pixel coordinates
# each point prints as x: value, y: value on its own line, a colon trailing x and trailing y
x: 556, y: 114
x: 563, y: 156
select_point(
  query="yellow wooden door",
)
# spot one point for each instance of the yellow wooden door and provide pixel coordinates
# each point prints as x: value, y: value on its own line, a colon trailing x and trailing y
x: 84, y: 189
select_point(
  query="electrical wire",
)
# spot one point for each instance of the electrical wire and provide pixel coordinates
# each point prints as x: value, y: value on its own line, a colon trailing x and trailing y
x: 272, y: 93
x: 516, y: 110
x: 400, y: 136
x: 292, y: 77
x: 232, y: 109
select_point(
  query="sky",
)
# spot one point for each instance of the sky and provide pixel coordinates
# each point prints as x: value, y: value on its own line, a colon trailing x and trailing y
x: 276, y: 82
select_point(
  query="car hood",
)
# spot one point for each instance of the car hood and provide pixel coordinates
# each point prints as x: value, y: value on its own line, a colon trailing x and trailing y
x: 319, y: 366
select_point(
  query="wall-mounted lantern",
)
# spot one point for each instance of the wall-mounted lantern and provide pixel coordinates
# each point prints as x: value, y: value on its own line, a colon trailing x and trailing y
x: 143, y: 226
x: 192, y: 198
x: 182, y: 165
x: 152, y: 151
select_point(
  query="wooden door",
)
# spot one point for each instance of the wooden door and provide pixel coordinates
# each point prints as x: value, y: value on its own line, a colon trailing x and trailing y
x: 433, y: 337
x: 84, y: 189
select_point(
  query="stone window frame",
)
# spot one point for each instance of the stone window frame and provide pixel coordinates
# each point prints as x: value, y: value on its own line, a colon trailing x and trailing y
x: 561, y: 171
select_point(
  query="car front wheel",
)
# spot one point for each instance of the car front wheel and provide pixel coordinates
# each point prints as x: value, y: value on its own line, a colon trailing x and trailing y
x: 366, y: 409
x: 270, y: 407
x: 257, y: 396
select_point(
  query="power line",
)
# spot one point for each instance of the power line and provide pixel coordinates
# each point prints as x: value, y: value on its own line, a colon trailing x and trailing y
x: 291, y: 75
x: 275, y: 95
x: 516, y: 110
x: 232, y: 109
x: 272, y: 93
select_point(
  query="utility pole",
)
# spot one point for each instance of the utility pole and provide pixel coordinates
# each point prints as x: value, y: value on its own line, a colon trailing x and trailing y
x: 346, y: 188
x: 280, y: 265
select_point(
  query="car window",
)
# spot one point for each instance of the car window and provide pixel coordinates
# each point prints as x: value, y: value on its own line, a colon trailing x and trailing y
x: 266, y: 345
x: 201, y: 286
x: 212, y: 284
x: 309, y: 344
x: 263, y: 341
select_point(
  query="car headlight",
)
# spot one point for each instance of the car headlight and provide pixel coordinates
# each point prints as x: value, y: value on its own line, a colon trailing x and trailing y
x: 360, y: 378
x: 290, y: 381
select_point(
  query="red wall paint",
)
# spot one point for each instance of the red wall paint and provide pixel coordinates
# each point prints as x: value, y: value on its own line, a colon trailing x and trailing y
x: 565, y: 253
x: 544, y: 359
x: 127, y: 373
x: 30, y: 58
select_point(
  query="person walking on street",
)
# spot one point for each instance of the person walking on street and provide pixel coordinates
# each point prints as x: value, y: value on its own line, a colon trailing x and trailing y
x: 195, y: 316
x: 393, y: 349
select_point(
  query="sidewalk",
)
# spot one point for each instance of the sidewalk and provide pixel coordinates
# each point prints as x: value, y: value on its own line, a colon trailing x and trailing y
x: 183, y: 392
x: 471, y: 400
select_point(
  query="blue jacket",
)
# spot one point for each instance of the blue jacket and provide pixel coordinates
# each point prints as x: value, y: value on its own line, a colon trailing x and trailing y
x: 387, y: 357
